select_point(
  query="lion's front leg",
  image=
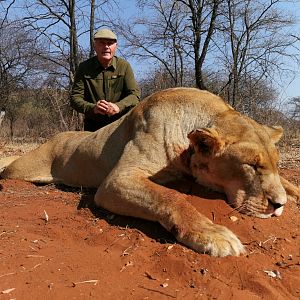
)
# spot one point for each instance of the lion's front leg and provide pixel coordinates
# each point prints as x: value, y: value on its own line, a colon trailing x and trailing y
x: 291, y: 189
x: 137, y: 196
x: 203, y: 236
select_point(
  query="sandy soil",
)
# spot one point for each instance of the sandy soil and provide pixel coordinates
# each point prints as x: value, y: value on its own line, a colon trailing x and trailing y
x: 55, y: 244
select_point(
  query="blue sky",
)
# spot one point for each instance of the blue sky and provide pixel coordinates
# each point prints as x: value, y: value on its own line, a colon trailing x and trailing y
x: 293, y: 88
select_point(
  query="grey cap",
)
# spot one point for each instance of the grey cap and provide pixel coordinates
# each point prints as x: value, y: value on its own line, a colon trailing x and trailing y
x: 105, y: 34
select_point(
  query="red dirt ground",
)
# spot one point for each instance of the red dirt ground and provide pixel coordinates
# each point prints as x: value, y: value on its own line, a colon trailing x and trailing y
x: 56, y: 245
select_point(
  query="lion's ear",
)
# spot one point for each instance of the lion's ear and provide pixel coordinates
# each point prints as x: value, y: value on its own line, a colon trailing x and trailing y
x: 275, y: 132
x: 207, y: 141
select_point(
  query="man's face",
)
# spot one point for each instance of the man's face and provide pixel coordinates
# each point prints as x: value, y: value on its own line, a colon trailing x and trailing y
x: 105, y: 49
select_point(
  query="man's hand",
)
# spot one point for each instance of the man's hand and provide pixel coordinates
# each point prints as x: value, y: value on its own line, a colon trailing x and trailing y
x: 104, y: 107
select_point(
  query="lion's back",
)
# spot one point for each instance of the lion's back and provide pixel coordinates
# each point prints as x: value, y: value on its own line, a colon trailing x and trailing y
x: 178, y: 105
x: 184, y: 97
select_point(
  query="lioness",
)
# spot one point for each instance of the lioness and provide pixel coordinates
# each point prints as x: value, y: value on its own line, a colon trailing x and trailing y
x: 170, y: 133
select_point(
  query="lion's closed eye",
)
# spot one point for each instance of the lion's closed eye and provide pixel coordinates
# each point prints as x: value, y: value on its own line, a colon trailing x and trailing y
x: 257, y: 167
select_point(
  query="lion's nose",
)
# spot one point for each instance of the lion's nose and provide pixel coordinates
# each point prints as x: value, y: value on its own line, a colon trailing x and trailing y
x: 277, y: 199
x: 278, y: 211
x: 277, y: 205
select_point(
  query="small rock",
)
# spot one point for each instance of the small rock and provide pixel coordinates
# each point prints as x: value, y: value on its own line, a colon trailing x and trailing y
x: 273, y: 274
x: 280, y: 264
x: 203, y: 271
x: 233, y: 218
x: 170, y: 247
x: 7, y: 291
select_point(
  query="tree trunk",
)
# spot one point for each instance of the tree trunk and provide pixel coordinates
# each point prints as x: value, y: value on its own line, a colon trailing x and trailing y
x: 92, y: 24
x: 74, y: 61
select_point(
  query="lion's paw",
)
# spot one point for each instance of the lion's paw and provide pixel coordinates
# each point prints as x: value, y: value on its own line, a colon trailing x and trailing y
x: 215, y: 240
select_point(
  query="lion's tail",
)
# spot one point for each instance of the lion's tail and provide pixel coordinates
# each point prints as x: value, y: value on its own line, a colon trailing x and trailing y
x: 4, y: 162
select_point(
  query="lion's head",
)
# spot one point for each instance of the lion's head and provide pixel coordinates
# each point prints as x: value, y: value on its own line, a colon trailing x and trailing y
x: 238, y: 157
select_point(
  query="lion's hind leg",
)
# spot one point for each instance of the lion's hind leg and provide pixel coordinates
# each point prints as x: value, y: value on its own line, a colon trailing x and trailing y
x: 34, y: 166
x: 135, y: 195
x: 6, y: 161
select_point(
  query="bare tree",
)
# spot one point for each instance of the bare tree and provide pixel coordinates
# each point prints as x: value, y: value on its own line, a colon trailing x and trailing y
x: 158, y: 40
x: 295, y: 108
x: 233, y: 46
x: 92, y: 26
x: 203, y: 16
x: 5, y: 7
x: 73, y: 49
x: 177, y: 37
x: 252, y: 41
x: 63, y: 24
x: 20, y: 65
x: 55, y: 22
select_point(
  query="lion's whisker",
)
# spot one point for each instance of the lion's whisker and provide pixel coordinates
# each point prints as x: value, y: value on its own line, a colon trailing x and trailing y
x: 237, y: 209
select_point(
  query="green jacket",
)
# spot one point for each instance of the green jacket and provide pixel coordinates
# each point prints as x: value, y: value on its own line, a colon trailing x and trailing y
x: 115, y: 84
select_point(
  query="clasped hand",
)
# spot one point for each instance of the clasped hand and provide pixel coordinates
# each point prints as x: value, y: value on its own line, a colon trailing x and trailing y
x: 104, y: 107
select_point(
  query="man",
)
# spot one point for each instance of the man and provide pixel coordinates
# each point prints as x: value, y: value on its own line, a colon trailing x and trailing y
x: 104, y: 87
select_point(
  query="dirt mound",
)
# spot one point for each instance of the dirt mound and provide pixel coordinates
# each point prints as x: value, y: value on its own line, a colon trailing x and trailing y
x: 56, y: 245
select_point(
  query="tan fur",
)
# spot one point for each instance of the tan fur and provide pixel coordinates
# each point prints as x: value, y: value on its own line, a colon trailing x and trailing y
x: 4, y: 162
x: 169, y: 134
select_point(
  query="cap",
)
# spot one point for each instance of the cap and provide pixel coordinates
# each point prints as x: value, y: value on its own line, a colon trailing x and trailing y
x: 105, y: 34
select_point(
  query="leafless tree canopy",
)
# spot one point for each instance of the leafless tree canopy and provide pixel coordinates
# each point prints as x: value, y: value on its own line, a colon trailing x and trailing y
x: 236, y: 48
x: 42, y: 43
x: 295, y: 110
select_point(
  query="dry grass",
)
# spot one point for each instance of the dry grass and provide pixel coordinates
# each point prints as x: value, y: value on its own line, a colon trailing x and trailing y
x: 290, y: 155
x: 10, y: 149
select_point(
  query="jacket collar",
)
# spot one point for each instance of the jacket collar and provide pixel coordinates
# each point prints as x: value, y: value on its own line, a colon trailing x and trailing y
x: 112, y: 66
